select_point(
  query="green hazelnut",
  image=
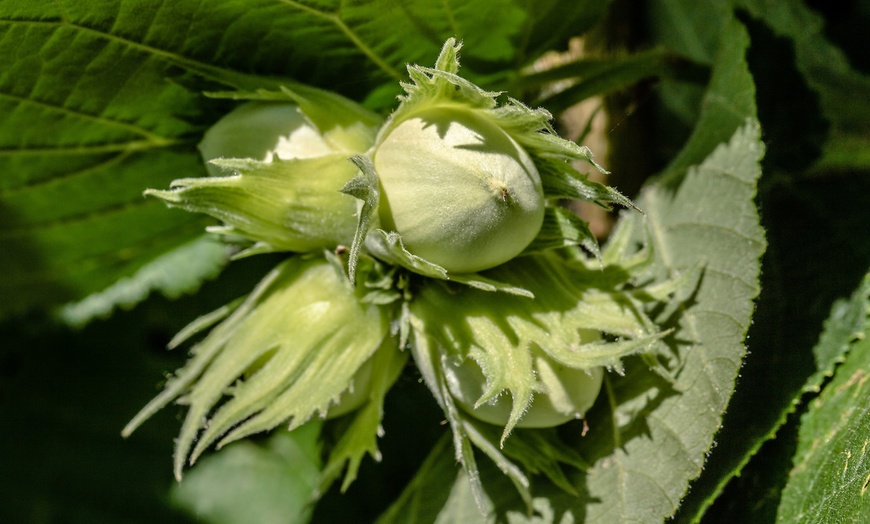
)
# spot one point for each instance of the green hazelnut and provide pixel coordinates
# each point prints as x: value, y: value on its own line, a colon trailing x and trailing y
x: 263, y: 131
x: 458, y: 189
x: 567, y: 393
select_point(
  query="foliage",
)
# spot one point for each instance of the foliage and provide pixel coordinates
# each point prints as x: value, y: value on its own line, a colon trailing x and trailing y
x: 743, y: 121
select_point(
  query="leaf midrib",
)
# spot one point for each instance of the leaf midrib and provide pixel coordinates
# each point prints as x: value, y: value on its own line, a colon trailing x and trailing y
x: 336, y: 19
x: 97, y: 149
x: 87, y: 116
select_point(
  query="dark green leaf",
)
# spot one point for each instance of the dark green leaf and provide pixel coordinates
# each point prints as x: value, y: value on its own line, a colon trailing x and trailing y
x: 844, y: 152
x: 846, y: 325
x: 830, y: 473
x: 729, y: 100
x: 91, y: 122
x: 688, y: 28
x: 550, y: 23
x: 824, y: 66
x: 597, y: 76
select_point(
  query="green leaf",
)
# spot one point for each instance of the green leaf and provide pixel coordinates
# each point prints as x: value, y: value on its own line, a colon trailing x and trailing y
x: 846, y: 325
x: 728, y: 101
x: 550, y: 23
x: 825, y: 67
x: 687, y: 28
x: 62, y: 248
x: 87, y: 129
x: 711, y: 221
x: 830, y: 472
x: 174, y: 273
x: 273, y: 481
x: 844, y: 153
x: 833, y: 83
x: 598, y: 76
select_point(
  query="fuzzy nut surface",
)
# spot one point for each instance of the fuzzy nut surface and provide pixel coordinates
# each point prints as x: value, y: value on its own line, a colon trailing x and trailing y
x: 458, y: 189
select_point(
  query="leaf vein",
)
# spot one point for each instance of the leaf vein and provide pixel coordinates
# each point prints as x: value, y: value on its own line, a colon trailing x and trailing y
x: 78, y: 219
x: 337, y: 20
x: 728, y: 102
x: 37, y: 275
x: 84, y: 116
x: 63, y: 13
x: 731, y: 175
x: 712, y: 312
x: 95, y: 149
x: 733, y: 276
x: 200, y: 67
x: 116, y: 159
x: 682, y: 445
x: 712, y: 225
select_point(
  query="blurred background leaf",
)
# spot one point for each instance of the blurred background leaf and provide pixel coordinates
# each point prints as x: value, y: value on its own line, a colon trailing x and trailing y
x: 266, y: 482
x: 65, y: 395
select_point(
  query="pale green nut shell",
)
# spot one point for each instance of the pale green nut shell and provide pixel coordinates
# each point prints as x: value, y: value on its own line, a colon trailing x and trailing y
x: 458, y: 189
x: 568, y: 392
x: 262, y: 131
